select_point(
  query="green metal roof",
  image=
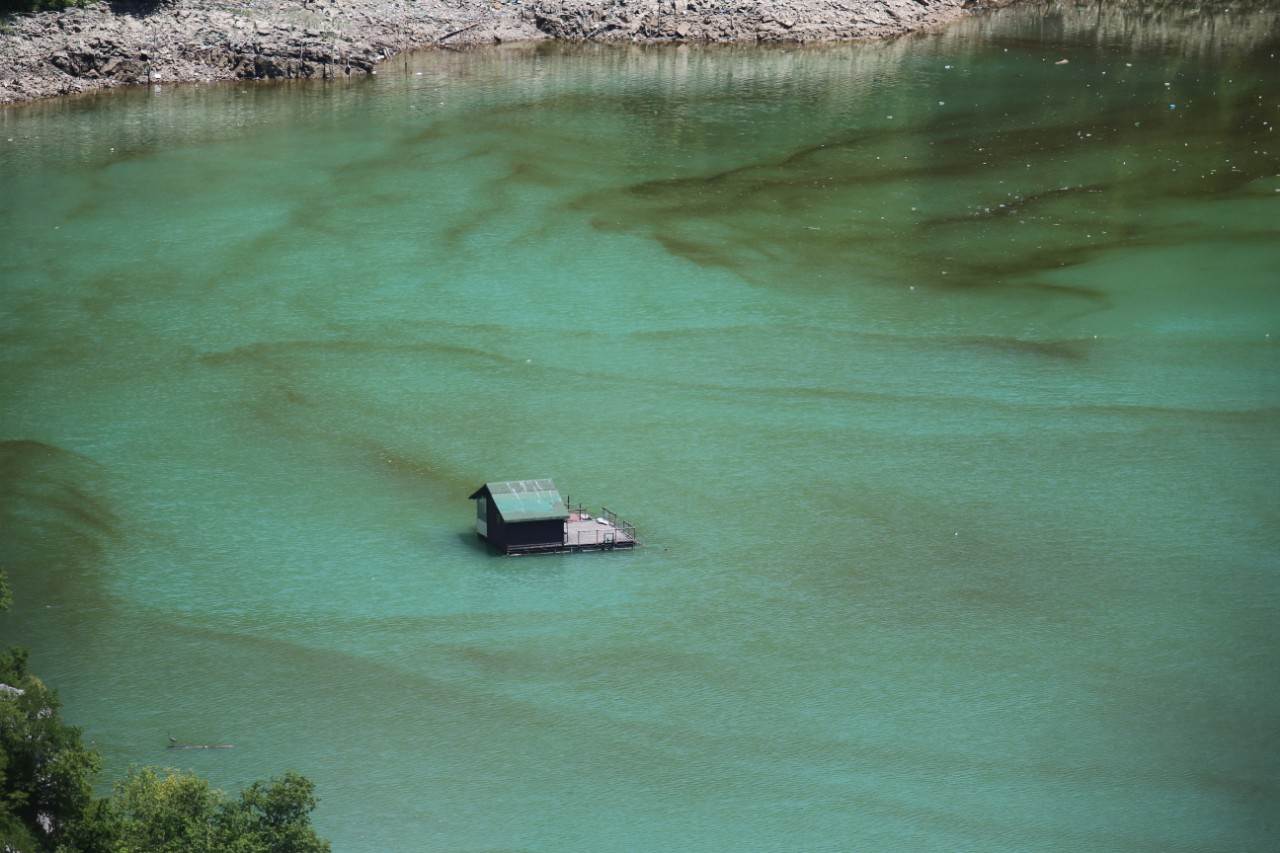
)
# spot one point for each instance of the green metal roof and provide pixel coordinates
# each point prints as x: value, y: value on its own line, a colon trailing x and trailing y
x: 525, y: 500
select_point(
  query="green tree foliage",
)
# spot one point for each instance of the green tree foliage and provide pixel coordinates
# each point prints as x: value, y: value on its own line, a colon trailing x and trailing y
x: 164, y: 813
x: 273, y: 817
x: 47, y: 802
x: 174, y: 812
x: 46, y: 771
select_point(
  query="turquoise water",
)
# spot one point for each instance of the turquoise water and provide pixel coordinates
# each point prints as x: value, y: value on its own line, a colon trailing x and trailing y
x: 940, y: 379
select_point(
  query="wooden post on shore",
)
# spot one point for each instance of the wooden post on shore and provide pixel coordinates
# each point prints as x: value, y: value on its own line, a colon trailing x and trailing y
x: 151, y: 57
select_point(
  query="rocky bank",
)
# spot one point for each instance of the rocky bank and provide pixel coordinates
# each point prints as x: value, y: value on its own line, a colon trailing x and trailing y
x: 121, y: 42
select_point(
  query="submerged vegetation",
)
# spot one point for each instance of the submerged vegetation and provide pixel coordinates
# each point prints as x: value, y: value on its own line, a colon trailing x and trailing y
x: 47, y: 801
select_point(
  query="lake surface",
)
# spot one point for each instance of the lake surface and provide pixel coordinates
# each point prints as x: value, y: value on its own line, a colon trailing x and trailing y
x: 941, y: 379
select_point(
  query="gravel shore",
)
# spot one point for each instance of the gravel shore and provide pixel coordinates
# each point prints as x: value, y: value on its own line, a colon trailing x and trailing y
x: 124, y: 43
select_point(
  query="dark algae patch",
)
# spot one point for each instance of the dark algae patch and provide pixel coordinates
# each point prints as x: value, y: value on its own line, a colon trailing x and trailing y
x: 1044, y: 182
x: 52, y: 506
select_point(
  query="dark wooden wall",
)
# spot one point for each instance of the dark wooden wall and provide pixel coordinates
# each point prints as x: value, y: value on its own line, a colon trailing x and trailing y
x: 527, y: 533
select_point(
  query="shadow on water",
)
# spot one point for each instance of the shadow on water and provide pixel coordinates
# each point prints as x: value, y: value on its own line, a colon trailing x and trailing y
x: 473, y: 543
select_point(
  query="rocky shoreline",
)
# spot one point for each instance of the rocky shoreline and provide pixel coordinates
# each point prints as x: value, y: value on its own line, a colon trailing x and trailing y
x: 120, y: 42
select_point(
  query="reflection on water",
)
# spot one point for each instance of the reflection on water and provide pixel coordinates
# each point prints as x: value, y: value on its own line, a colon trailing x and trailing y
x: 939, y: 374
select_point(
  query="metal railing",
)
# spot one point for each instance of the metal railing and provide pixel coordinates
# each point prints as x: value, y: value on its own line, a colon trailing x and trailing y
x: 594, y: 537
x: 625, y: 528
x: 622, y: 530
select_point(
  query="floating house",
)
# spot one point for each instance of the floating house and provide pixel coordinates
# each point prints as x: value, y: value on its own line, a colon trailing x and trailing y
x: 530, y: 517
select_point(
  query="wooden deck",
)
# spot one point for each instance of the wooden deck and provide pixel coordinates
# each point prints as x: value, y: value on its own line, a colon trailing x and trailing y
x: 583, y: 532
